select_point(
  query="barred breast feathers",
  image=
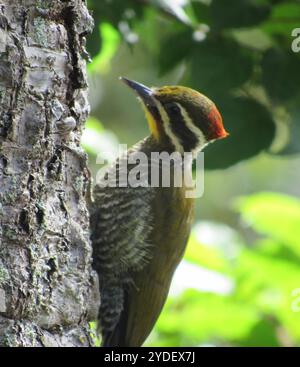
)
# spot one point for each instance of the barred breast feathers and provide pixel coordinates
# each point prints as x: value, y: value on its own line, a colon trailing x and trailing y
x: 121, y: 223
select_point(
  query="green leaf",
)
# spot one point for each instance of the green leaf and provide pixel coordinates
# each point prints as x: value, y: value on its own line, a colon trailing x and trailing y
x: 207, y: 256
x: 94, y: 124
x: 265, y: 281
x: 201, y: 11
x: 96, y: 140
x: 174, y: 50
x: 150, y: 33
x: 283, y: 19
x: 206, y: 318
x: 280, y: 74
x: 218, y: 65
x: 273, y: 248
x: 110, y: 41
x: 251, y: 128
x: 268, y: 283
x: 275, y: 215
x: 263, y: 334
x: 253, y: 38
x: 236, y: 14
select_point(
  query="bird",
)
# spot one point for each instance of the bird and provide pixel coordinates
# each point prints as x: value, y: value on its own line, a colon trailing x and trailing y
x: 139, y: 233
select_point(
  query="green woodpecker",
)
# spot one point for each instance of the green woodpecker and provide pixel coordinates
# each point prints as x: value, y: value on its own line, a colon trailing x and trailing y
x: 139, y: 234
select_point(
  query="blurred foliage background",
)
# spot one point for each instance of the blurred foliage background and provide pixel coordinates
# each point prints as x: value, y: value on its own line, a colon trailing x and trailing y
x: 239, y: 283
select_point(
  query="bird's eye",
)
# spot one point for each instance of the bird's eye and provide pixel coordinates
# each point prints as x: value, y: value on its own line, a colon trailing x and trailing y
x: 172, y: 108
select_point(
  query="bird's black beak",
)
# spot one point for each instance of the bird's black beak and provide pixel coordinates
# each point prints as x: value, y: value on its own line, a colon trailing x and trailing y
x: 145, y: 93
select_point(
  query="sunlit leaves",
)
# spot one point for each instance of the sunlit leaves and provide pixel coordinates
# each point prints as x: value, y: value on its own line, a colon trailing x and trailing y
x: 210, y: 257
x: 264, y: 298
x: 277, y: 216
x: 268, y: 278
x: 98, y: 141
x: 268, y: 283
x: 206, y: 318
x: 109, y: 42
x: 213, y: 245
x: 284, y: 18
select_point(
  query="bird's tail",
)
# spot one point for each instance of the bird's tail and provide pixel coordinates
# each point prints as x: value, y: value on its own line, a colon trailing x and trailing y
x: 112, y: 321
x: 114, y: 338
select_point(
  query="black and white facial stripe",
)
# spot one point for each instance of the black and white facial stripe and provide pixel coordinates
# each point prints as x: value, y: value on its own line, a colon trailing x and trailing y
x: 187, y: 138
x: 180, y: 128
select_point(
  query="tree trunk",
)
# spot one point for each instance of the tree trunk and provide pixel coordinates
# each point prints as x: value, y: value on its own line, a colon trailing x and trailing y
x: 48, y: 291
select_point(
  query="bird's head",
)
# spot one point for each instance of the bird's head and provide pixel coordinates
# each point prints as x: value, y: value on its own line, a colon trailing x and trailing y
x: 185, y: 118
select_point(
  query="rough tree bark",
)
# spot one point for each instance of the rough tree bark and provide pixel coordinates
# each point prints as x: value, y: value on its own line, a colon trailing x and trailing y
x: 48, y: 291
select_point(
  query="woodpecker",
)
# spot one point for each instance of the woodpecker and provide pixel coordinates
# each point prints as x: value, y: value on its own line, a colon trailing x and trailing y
x: 139, y: 233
